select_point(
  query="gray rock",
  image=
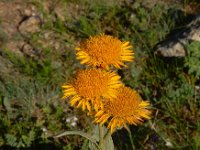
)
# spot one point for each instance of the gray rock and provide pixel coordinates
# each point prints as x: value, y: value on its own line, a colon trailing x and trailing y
x: 175, y: 46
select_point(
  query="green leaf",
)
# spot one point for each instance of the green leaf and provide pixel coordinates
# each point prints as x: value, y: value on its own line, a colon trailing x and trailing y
x: 192, y: 60
x: 108, y: 142
x: 81, y: 133
x: 11, y: 140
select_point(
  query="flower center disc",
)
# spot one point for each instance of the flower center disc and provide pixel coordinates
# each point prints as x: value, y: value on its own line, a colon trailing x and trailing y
x: 91, y: 83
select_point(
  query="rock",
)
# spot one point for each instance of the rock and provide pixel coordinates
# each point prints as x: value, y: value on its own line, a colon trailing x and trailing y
x: 30, y: 25
x: 175, y: 46
x: 30, y: 51
x: 27, y: 49
x: 27, y: 12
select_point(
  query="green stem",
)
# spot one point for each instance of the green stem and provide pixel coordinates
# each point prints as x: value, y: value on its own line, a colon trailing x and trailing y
x: 106, y: 135
x: 101, y: 138
x: 131, y: 138
x: 83, y: 134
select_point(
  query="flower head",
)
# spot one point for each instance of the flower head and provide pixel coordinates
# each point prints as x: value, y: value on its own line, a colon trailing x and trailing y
x: 104, y: 51
x: 90, y: 86
x: 127, y: 108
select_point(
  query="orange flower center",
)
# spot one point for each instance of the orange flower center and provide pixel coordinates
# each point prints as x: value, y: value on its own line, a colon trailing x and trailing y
x: 91, y: 83
x: 126, y: 103
x: 103, y: 48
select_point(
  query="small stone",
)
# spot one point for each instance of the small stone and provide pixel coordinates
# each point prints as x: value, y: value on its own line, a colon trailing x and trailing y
x: 27, y: 49
x: 30, y: 25
x: 27, y: 12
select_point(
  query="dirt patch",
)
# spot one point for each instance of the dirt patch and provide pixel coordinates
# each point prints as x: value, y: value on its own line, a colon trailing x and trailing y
x: 14, y: 23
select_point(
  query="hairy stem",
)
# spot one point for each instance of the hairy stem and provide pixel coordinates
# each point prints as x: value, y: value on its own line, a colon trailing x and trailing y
x: 101, y: 138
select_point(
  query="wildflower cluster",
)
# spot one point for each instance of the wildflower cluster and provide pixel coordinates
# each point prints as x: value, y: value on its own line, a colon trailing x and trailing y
x: 99, y: 91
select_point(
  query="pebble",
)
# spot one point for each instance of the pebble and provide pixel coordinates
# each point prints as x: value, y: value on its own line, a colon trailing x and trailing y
x: 30, y: 25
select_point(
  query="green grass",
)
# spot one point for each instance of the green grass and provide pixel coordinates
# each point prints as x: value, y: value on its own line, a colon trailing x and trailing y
x: 30, y: 84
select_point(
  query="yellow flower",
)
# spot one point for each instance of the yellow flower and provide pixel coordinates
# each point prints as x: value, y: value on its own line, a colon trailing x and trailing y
x: 126, y: 108
x: 90, y: 86
x: 103, y: 51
